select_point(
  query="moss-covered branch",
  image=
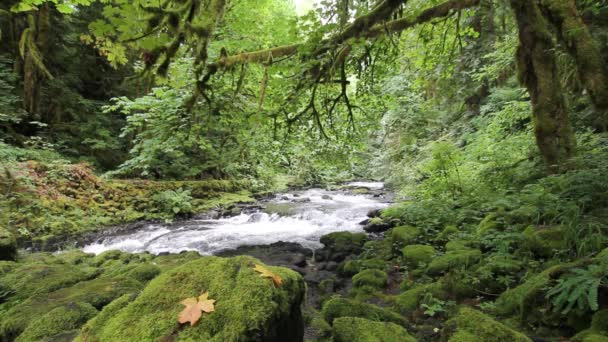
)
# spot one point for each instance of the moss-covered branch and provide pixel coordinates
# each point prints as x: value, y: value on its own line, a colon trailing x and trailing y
x: 367, y: 26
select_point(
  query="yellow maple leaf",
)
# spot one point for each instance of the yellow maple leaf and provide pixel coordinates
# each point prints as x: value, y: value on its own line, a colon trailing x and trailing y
x: 266, y: 273
x: 195, y: 307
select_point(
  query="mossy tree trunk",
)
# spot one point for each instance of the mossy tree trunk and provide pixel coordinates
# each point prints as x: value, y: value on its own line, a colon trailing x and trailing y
x: 577, y: 39
x: 537, y: 68
x: 33, y: 46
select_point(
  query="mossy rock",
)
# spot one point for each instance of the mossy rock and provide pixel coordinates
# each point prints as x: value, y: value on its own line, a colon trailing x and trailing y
x: 469, y: 322
x: 447, y: 233
x: 404, y: 235
x: 248, y: 306
x: 352, y: 267
x: 144, y: 272
x: 415, y: 255
x: 408, y: 301
x: 38, y: 278
x: 377, y: 225
x: 339, y: 245
x: 97, y: 292
x: 597, y: 332
x: 456, y: 245
x: 372, y: 277
x: 452, y: 260
x: 57, y: 321
x: 545, y: 241
x: 341, y: 307
x: 381, y: 249
x: 354, y: 329
x: 8, y: 245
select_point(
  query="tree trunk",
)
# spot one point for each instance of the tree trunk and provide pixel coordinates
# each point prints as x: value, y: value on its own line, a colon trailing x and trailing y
x: 577, y: 39
x: 537, y: 70
x: 39, y: 27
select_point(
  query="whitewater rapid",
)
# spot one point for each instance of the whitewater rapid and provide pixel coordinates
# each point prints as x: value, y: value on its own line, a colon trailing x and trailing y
x: 304, y: 222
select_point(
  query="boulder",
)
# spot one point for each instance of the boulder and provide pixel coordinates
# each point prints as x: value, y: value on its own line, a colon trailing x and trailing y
x: 470, y: 325
x: 339, y: 245
x: 376, y: 225
x: 453, y: 259
x: 416, y: 255
x: 404, y: 235
x: 248, y: 307
x: 353, y: 329
x: 373, y: 278
x: 341, y: 307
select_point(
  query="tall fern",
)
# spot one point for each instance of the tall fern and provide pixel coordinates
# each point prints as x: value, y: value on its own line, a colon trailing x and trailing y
x: 579, y: 288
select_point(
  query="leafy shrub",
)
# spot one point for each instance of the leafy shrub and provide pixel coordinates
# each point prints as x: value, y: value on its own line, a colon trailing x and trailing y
x: 174, y: 202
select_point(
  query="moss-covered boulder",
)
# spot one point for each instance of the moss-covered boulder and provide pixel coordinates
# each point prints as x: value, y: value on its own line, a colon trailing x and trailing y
x: 452, y: 260
x: 456, y: 245
x: 65, y: 318
x: 352, y: 267
x: 447, y: 233
x: 597, y: 332
x: 470, y: 325
x: 35, y: 278
x: 353, y: 329
x: 248, y: 307
x: 341, y: 307
x: 97, y: 292
x: 415, y: 255
x: 408, y: 301
x: 8, y: 245
x: 377, y: 225
x: 339, y: 245
x: 545, y: 241
x: 404, y: 235
x: 372, y: 277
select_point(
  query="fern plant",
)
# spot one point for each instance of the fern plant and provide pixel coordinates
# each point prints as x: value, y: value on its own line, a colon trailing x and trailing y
x: 579, y: 289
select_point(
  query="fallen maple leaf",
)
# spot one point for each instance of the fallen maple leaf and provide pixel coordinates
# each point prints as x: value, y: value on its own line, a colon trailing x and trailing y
x: 195, y: 307
x: 266, y: 273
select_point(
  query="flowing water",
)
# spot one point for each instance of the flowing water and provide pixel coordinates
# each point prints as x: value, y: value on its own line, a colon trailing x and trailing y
x: 288, y: 217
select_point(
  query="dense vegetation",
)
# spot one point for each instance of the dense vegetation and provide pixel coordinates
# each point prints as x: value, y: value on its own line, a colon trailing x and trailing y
x: 487, y: 117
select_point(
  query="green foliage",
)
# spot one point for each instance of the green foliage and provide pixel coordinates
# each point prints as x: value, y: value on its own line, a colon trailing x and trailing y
x: 578, y: 289
x: 175, y: 202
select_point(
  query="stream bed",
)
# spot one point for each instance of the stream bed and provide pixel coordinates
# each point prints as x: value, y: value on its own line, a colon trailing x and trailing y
x: 300, y: 217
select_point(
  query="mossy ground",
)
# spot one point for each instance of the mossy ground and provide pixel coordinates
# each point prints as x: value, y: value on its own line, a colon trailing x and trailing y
x: 118, y: 296
x: 50, y: 202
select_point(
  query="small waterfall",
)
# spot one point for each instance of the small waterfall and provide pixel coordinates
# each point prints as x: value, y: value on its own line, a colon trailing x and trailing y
x: 313, y: 213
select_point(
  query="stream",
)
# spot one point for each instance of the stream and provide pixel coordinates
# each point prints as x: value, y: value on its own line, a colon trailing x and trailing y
x: 300, y: 217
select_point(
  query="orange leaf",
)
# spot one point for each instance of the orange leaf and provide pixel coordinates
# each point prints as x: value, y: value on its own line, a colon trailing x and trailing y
x: 195, y: 307
x: 266, y: 273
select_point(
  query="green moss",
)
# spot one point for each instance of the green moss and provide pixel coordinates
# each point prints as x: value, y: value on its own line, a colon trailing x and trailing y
x: 456, y: 245
x: 6, y: 267
x: 144, y: 272
x: 415, y: 255
x: 372, y: 277
x: 597, y: 332
x: 349, y: 268
x: 482, y: 326
x: 8, y: 245
x: 409, y: 300
x: 106, y: 256
x: 37, y: 278
x: 109, y: 311
x: 246, y: 305
x: 545, y: 241
x: 97, y: 292
x: 353, y: 329
x: 447, y: 233
x: 344, y: 241
x: 341, y: 307
x: 404, y: 235
x: 452, y: 260
x: 64, y: 318
x: 603, y: 253
x: 380, y: 249
x: 74, y: 257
